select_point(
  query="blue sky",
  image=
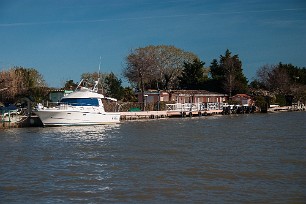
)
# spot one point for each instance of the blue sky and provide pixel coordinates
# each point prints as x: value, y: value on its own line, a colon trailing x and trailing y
x: 64, y: 38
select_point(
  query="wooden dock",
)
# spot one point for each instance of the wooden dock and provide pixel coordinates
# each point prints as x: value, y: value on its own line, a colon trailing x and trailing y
x: 192, y: 113
x: 142, y: 115
x: 164, y: 114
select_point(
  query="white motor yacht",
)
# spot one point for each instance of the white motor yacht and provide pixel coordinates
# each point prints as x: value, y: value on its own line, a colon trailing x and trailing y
x: 82, y: 107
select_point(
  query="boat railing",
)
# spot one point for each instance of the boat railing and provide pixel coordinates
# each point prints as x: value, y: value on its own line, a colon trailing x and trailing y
x: 63, y: 105
x: 59, y: 105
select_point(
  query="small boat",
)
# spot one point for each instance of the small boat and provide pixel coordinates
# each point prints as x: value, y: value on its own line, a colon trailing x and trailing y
x: 82, y: 107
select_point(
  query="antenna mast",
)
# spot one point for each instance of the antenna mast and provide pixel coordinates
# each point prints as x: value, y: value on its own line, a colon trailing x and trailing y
x: 99, y: 68
x: 99, y: 76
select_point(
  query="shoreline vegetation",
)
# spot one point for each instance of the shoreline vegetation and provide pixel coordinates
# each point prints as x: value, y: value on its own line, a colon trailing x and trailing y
x: 163, y: 68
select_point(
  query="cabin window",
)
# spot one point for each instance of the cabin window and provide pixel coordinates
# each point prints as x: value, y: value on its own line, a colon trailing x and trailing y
x: 80, y: 101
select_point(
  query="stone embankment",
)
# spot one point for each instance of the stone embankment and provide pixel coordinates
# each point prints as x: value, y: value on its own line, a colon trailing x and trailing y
x: 20, y: 121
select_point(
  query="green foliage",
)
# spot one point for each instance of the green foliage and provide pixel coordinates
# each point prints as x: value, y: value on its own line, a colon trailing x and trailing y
x: 160, y: 106
x: 256, y: 84
x: 113, y: 87
x: 227, y: 74
x: 260, y: 101
x: 70, y: 85
x: 216, y: 71
x: 192, y: 75
x: 37, y: 94
x: 280, y: 100
x: 110, y: 85
x: 282, y: 80
x: 129, y: 95
x: 295, y: 74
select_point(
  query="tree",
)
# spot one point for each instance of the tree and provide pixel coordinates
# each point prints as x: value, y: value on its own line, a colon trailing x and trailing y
x: 28, y: 78
x: 91, y: 78
x: 228, y: 74
x: 113, y: 87
x: 262, y: 76
x: 128, y: 95
x: 20, y: 82
x: 273, y: 78
x: 139, y: 68
x: 110, y: 85
x: 279, y: 80
x: 283, y: 80
x: 216, y: 71
x: 156, y: 66
x: 193, y: 75
x: 70, y: 85
x: 296, y: 75
x: 255, y: 84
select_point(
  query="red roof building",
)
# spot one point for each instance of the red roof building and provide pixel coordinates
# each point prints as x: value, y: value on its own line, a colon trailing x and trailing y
x: 243, y: 99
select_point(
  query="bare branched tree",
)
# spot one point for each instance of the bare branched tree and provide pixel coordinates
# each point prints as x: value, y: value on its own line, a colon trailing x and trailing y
x: 22, y: 82
x: 156, y: 65
x: 274, y: 78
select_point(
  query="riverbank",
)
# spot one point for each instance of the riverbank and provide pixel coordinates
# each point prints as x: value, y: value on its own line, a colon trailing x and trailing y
x: 34, y: 121
x: 285, y: 109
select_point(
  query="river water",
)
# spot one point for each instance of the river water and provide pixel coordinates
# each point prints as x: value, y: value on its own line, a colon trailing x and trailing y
x: 256, y: 158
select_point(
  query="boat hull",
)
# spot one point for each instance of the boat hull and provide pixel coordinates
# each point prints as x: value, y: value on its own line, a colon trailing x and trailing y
x: 66, y: 118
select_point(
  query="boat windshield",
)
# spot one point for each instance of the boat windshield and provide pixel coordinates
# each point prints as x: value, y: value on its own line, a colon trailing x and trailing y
x: 81, y: 101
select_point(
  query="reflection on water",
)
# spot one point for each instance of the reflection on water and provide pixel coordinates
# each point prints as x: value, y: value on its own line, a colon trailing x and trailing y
x: 83, y: 133
x: 237, y: 159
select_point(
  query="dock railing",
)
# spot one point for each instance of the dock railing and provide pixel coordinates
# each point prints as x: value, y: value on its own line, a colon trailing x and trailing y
x: 10, y: 116
x: 184, y: 107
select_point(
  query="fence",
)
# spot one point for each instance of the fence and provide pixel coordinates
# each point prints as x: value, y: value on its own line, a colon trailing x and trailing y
x: 9, y: 118
x: 194, y: 106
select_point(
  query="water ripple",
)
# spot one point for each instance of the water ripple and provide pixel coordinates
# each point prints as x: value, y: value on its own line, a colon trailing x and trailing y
x: 222, y: 159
